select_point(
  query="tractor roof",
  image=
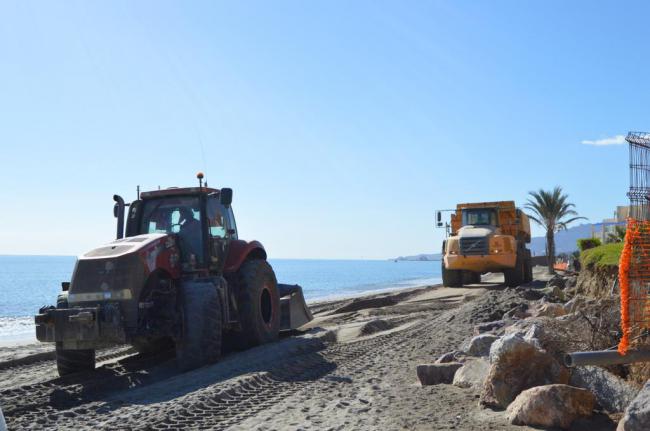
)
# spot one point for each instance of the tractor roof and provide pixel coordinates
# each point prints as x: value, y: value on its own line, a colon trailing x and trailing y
x: 176, y: 191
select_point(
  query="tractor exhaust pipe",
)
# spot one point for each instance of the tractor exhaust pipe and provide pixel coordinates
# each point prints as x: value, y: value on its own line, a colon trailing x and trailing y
x: 118, y: 212
x: 605, y: 357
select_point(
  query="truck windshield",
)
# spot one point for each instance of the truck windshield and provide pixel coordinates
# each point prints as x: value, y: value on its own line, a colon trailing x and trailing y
x: 180, y: 215
x: 480, y: 217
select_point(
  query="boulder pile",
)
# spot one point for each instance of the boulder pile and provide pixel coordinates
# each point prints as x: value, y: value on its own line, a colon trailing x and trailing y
x: 513, y: 361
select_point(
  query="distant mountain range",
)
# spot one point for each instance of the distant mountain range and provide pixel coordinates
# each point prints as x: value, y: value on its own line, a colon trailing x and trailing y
x: 565, y: 242
x: 419, y: 257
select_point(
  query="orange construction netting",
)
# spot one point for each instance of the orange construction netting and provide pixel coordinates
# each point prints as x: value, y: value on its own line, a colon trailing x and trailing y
x: 634, y: 281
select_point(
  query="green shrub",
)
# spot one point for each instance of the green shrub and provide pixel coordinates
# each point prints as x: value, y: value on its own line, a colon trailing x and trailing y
x: 587, y: 243
x: 603, y: 255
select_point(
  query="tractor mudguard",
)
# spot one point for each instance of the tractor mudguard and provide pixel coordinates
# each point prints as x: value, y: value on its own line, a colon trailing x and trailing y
x: 293, y: 309
x: 239, y: 250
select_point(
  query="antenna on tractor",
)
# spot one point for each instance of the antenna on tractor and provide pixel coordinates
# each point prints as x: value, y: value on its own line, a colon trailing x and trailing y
x: 200, y: 178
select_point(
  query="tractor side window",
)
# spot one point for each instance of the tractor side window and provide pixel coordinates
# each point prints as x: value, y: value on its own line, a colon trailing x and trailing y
x: 231, y: 222
x: 216, y: 218
x: 177, y: 215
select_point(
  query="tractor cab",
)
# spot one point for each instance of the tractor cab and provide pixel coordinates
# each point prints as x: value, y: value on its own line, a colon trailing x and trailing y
x: 200, y: 218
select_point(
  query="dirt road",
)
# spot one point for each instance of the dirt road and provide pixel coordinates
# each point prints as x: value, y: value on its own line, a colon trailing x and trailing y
x: 353, y: 369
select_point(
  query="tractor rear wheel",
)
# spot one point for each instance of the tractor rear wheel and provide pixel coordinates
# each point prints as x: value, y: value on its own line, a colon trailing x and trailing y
x: 200, y: 340
x: 72, y: 361
x: 258, y: 303
x: 451, y: 277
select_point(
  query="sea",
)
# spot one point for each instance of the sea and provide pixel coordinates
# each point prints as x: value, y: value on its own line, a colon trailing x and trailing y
x: 30, y: 282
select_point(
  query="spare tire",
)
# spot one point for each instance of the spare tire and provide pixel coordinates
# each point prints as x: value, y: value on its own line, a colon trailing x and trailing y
x: 200, y: 339
x: 258, y: 304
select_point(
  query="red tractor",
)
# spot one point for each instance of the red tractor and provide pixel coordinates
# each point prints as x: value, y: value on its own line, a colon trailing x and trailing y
x: 180, y: 275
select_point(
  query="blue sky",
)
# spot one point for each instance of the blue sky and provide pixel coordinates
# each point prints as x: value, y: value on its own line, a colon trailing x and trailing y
x: 341, y: 126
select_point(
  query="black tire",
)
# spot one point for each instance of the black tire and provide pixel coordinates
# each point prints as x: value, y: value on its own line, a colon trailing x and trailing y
x: 528, y: 271
x: 258, y: 304
x: 451, y: 277
x: 72, y: 361
x: 152, y: 346
x: 475, y: 277
x: 201, y: 333
x: 515, y: 276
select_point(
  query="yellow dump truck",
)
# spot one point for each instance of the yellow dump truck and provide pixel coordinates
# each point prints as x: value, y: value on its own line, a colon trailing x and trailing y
x: 486, y: 237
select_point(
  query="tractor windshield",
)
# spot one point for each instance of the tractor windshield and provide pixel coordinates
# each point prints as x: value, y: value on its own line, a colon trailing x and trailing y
x: 180, y: 215
x: 480, y: 217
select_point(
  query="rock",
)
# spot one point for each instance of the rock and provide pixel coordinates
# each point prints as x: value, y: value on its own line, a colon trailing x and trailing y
x: 553, y: 294
x: 480, y: 345
x: 551, y: 309
x: 571, y: 282
x: 472, y: 374
x: 449, y: 357
x: 556, y: 281
x: 550, y: 406
x: 529, y: 293
x: 575, y: 304
x: 482, y: 328
x: 637, y: 414
x: 516, y: 365
x: 434, y: 374
x: 613, y: 393
x: 518, y: 312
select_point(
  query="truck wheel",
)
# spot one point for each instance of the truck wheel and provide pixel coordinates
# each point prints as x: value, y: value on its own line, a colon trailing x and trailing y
x: 528, y: 271
x: 515, y: 276
x: 72, y: 361
x: 200, y: 340
x: 258, y: 303
x: 451, y: 277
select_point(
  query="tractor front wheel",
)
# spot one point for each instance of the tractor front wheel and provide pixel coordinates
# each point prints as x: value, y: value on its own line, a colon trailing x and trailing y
x: 200, y: 339
x: 72, y: 361
x: 258, y: 303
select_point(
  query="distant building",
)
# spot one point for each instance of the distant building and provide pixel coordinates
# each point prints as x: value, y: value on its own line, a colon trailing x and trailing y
x: 608, y: 225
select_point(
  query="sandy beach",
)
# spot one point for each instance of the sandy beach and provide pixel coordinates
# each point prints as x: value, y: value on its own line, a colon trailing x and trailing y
x: 352, y: 367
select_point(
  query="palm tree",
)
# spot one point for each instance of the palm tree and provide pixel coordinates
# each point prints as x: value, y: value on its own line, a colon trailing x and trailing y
x: 550, y: 209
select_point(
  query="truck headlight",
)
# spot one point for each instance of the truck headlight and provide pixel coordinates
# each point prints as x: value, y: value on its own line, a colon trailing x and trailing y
x: 496, y: 245
x: 453, y: 247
